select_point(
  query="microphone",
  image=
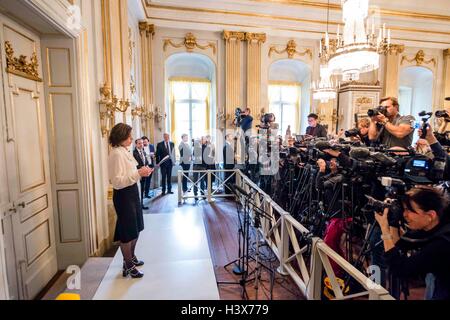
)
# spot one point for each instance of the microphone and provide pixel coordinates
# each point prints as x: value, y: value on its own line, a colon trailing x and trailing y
x: 322, y: 145
x: 359, y: 153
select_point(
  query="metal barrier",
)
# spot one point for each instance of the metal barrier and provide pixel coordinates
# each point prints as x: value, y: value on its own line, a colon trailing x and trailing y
x: 290, y: 241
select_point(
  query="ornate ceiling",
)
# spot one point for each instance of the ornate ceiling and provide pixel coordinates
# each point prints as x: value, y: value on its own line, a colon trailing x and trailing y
x: 412, y: 22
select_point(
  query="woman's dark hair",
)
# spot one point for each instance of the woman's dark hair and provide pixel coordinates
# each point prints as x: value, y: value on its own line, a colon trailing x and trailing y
x: 427, y: 198
x: 119, y: 133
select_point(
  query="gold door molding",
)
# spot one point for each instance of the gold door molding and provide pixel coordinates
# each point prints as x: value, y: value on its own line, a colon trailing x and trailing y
x: 20, y: 66
x: 291, y: 50
x: 190, y: 43
x: 419, y: 58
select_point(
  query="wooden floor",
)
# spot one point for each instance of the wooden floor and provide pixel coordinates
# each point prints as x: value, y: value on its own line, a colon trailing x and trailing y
x: 222, y: 224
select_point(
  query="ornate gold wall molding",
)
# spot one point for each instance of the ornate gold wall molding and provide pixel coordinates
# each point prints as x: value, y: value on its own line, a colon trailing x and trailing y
x: 20, y: 66
x: 291, y: 50
x: 419, y: 59
x: 190, y: 43
x: 233, y: 35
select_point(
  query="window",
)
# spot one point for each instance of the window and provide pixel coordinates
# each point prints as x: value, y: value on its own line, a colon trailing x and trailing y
x: 284, y: 103
x: 190, y: 107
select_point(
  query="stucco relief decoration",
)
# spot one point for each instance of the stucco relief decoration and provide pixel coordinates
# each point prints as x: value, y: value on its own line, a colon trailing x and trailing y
x: 190, y: 43
x: 419, y: 59
x: 20, y: 66
x: 364, y: 103
x: 291, y: 50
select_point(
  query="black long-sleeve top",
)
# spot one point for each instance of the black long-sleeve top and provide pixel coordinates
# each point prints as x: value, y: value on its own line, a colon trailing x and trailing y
x: 433, y: 257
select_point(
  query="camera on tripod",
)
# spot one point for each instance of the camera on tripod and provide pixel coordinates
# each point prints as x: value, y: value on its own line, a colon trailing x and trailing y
x: 267, y: 121
x: 376, y: 111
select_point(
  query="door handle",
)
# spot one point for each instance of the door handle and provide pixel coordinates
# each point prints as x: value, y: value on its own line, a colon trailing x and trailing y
x: 22, y: 204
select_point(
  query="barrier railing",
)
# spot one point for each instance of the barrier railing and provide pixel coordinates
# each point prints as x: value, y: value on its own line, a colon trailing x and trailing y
x: 302, y: 257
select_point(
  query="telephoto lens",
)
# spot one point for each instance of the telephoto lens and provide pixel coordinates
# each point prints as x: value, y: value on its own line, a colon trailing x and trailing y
x: 441, y: 114
x: 352, y: 133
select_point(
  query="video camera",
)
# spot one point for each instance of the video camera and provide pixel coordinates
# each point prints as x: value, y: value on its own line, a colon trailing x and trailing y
x: 351, y: 133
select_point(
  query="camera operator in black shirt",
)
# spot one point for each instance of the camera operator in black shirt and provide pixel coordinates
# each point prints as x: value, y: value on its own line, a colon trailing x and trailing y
x: 388, y: 127
x: 427, y: 217
x: 361, y: 133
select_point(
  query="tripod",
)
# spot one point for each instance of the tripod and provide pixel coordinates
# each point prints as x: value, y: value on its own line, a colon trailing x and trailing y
x: 241, y: 264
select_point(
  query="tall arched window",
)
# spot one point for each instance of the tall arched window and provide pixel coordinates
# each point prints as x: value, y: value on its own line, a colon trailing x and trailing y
x: 190, y: 101
x: 284, y: 103
x: 190, y: 95
x: 289, y: 94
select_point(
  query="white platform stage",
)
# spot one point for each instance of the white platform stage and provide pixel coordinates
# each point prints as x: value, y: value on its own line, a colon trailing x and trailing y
x: 178, y: 264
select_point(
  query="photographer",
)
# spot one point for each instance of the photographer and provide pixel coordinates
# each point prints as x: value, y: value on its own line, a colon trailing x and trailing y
x: 427, y: 217
x: 388, y: 127
x: 243, y: 119
x: 437, y: 150
x: 361, y: 133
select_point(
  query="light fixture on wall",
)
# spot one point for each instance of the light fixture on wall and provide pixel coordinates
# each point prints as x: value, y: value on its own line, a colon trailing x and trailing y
x: 325, y: 89
x: 358, y: 50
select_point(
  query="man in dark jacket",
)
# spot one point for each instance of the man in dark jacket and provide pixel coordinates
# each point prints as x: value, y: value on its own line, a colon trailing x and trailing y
x: 315, y: 129
x: 141, y: 158
x: 163, y: 149
x: 228, y: 162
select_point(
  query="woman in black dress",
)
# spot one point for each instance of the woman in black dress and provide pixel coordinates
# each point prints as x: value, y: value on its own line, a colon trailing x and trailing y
x: 124, y: 177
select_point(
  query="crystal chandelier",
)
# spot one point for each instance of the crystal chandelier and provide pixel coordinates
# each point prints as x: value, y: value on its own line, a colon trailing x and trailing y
x: 357, y: 51
x: 325, y: 89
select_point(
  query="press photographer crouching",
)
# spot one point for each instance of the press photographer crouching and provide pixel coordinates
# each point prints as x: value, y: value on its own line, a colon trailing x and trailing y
x: 361, y: 133
x: 388, y: 127
x: 425, y: 211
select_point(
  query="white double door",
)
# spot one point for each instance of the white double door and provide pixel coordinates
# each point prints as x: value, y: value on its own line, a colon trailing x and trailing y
x: 27, y: 237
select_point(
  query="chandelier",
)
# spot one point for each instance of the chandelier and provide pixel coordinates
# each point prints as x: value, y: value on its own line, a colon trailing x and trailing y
x: 325, y: 89
x: 357, y: 51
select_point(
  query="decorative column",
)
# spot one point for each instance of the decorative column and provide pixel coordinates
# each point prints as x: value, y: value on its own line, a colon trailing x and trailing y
x: 254, y: 43
x: 447, y: 77
x: 233, y: 98
x: 392, y: 70
x: 147, y: 31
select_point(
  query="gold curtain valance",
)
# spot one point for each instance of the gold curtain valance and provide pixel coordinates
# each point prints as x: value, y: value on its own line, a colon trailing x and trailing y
x: 189, y: 79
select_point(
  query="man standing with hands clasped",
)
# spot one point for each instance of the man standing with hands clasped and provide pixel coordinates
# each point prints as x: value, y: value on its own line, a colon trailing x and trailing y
x: 163, y: 149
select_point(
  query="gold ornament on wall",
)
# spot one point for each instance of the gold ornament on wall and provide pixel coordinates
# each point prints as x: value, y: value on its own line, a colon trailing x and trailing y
x: 363, y: 101
x: 233, y: 35
x: 20, y: 66
x: 190, y: 43
x: 419, y: 59
x: 110, y: 104
x: 291, y: 50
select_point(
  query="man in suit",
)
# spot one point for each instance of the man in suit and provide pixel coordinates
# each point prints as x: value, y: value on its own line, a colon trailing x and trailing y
x: 199, y: 164
x: 315, y: 129
x: 141, y: 158
x: 228, y: 162
x: 149, y: 150
x: 163, y: 149
x: 185, y: 158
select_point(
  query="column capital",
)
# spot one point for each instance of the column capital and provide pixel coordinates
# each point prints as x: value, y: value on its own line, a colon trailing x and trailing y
x: 233, y: 35
x: 259, y: 37
x: 447, y: 53
x: 149, y: 29
x: 396, y: 49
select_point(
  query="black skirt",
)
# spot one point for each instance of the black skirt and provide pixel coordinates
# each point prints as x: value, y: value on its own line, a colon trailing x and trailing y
x: 130, y: 220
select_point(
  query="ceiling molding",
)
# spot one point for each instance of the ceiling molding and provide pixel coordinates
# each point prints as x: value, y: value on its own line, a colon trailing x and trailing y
x: 153, y: 18
x: 398, y: 13
x: 283, y: 18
